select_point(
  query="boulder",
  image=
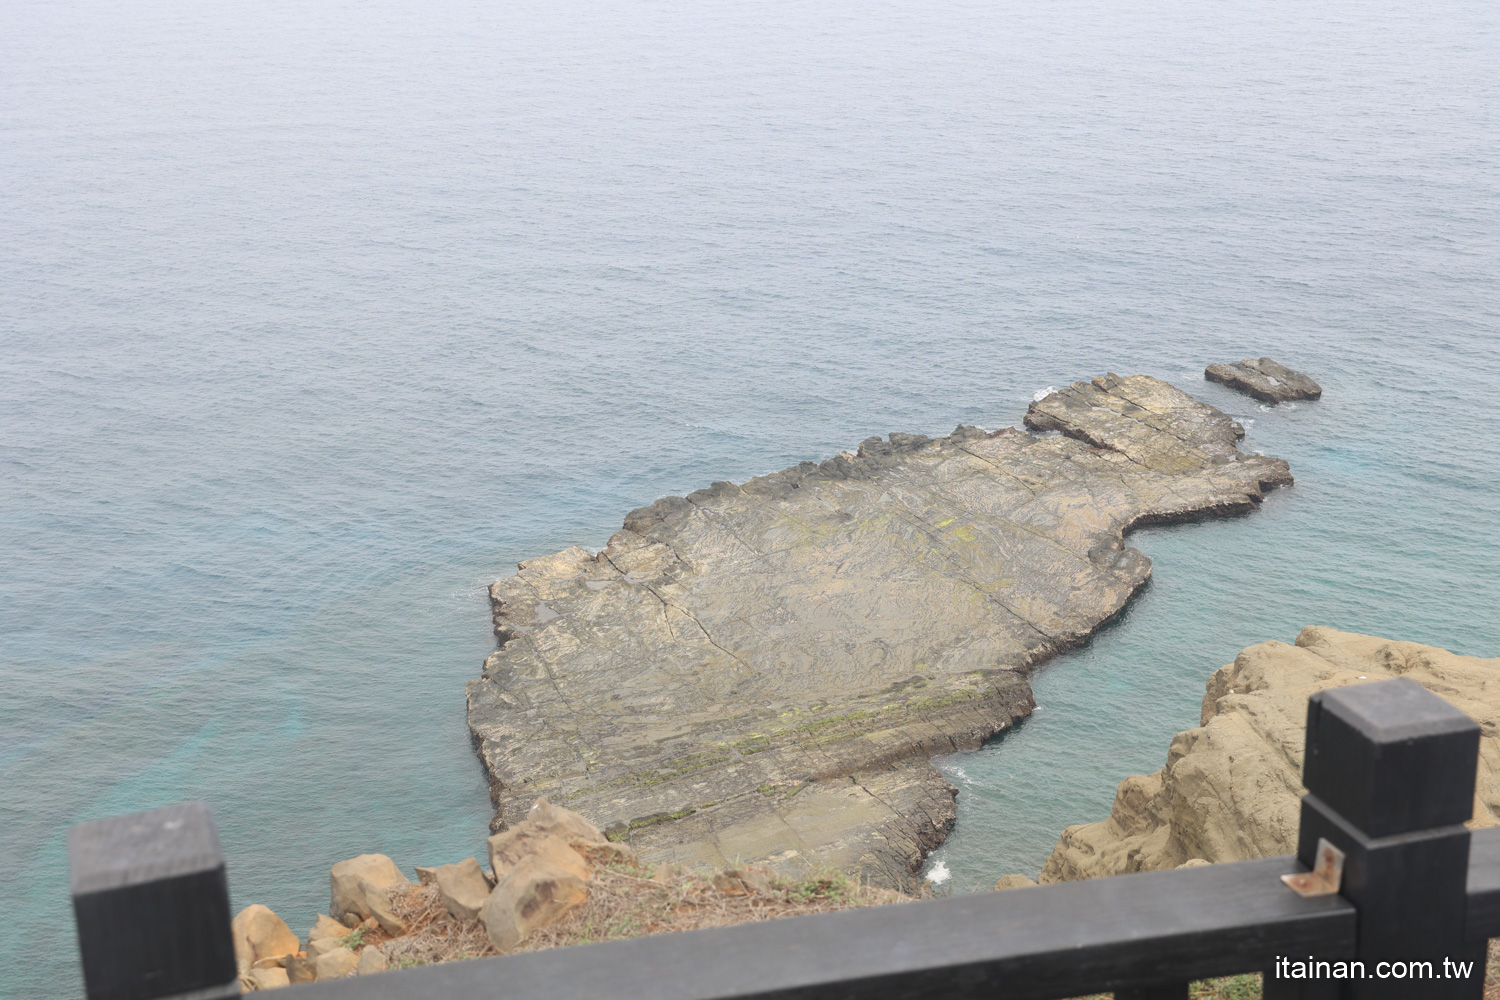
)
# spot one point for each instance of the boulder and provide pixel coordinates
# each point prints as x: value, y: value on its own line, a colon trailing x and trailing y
x: 361, y: 889
x: 1231, y: 789
x: 326, y: 927
x: 1013, y: 882
x: 741, y: 881
x: 336, y: 964
x: 566, y: 823
x: 258, y: 934
x: 371, y: 959
x: 463, y: 888
x: 301, y: 968
x: 270, y: 978
x: 322, y: 946
x: 426, y: 876
x: 758, y: 657
x: 535, y: 894
x: 509, y: 847
x: 1264, y: 380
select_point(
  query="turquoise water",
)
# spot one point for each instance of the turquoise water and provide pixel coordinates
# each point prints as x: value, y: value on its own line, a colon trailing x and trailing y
x: 316, y: 318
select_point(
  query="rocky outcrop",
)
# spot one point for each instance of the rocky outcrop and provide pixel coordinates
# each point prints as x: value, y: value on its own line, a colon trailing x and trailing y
x: 1265, y: 380
x: 759, y: 672
x: 1231, y: 788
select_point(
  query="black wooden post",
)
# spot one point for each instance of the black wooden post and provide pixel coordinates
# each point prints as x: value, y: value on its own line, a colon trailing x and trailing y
x: 152, y: 904
x: 1390, y: 773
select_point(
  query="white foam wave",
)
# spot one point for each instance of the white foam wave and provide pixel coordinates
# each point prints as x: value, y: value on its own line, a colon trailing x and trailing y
x: 939, y: 873
x: 1042, y: 394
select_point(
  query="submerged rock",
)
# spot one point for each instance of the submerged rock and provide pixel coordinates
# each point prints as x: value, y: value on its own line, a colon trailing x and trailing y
x: 1232, y: 788
x: 1266, y: 380
x: 757, y: 674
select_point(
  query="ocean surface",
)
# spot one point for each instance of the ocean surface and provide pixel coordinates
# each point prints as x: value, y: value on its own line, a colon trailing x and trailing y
x: 316, y: 318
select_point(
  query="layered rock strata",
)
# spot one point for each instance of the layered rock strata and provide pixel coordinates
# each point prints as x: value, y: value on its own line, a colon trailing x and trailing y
x: 759, y: 672
x: 1265, y: 380
x: 1231, y: 788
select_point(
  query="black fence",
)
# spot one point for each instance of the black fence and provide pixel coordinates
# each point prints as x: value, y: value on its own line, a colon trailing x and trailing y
x: 1389, y: 770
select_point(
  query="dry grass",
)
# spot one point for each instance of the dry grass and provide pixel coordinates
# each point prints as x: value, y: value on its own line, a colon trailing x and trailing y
x: 625, y: 900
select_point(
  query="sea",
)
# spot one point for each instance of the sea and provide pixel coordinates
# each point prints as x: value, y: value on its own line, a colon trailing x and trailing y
x: 315, y: 318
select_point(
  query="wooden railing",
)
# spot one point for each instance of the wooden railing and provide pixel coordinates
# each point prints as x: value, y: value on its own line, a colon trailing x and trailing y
x: 1389, y: 770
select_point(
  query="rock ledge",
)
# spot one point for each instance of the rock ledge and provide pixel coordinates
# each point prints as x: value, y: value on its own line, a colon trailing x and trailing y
x: 758, y: 673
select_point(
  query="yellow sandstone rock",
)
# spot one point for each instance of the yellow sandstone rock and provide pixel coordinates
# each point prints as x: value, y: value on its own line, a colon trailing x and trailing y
x: 260, y: 934
x: 463, y: 888
x: 361, y: 889
x: 1231, y: 788
x: 535, y: 894
x: 1013, y: 882
x: 336, y: 964
x: 509, y: 847
x: 371, y: 959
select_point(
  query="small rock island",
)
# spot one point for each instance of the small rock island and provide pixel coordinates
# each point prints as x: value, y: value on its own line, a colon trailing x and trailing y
x: 758, y: 673
x: 1264, y: 380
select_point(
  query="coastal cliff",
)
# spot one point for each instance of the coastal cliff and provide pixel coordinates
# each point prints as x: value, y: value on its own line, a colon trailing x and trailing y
x: 758, y: 673
x: 1231, y: 788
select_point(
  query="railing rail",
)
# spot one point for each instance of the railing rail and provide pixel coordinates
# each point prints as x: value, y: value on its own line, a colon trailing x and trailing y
x: 1390, y: 772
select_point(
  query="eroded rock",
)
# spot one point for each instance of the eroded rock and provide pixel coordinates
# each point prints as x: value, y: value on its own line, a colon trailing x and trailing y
x: 565, y: 823
x: 535, y: 894
x: 510, y: 847
x: 259, y: 934
x: 273, y: 977
x: 371, y: 960
x: 336, y: 964
x: 742, y: 881
x: 758, y: 673
x: 1013, y: 882
x: 361, y: 889
x: 301, y: 968
x: 463, y: 888
x: 1264, y: 380
x: 326, y: 927
x: 1231, y: 789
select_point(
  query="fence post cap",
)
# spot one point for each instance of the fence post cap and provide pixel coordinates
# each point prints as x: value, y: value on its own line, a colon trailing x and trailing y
x: 1391, y: 757
x: 142, y: 847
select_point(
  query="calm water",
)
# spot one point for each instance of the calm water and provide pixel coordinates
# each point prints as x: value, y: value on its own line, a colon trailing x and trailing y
x: 317, y: 317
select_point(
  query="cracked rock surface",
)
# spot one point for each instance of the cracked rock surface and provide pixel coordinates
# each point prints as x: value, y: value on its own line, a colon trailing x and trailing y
x: 759, y: 673
x: 1265, y: 380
